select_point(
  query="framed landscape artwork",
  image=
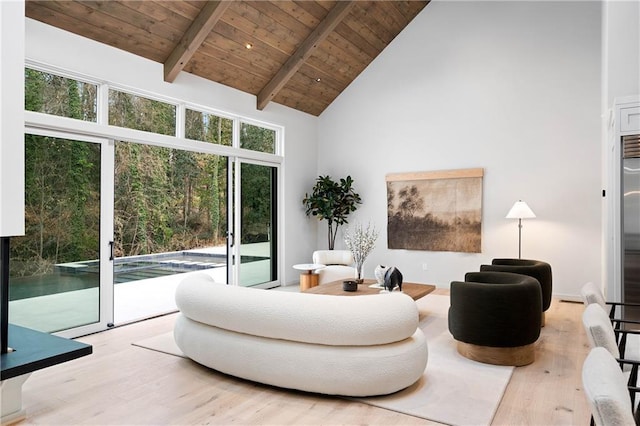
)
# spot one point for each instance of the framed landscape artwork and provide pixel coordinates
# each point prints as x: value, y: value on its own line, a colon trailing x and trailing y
x: 435, y: 211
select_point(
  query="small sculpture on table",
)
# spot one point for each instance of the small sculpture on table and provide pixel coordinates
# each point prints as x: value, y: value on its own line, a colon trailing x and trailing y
x: 379, y: 273
x: 392, y: 279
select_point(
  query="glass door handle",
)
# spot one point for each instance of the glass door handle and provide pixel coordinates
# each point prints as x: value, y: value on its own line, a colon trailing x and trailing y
x: 111, y: 250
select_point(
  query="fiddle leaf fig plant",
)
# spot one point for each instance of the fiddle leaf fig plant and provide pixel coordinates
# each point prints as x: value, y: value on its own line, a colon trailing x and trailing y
x: 332, y: 201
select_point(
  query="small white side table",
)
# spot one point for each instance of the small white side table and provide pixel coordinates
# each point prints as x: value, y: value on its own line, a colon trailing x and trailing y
x: 308, y: 278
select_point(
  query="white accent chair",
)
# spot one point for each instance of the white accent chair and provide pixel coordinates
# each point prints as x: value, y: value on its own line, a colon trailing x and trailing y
x: 601, y: 334
x: 338, y: 265
x: 592, y: 294
x: 606, y: 390
x: 621, y: 343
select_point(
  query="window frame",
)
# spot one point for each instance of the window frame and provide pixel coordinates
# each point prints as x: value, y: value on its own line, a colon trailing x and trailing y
x: 102, y: 119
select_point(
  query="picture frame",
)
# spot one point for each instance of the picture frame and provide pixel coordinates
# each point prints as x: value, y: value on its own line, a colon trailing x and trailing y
x: 435, y: 210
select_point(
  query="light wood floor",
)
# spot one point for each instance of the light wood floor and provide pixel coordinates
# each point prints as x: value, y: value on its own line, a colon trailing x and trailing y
x: 121, y: 384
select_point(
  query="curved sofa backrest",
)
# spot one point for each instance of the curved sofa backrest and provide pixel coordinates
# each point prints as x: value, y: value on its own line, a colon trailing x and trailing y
x: 301, y: 317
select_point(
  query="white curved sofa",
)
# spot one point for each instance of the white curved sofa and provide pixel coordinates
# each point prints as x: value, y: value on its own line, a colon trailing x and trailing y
x: 337, y: 345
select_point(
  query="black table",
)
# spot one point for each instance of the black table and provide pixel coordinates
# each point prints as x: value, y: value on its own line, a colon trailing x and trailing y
x: 35, y: 350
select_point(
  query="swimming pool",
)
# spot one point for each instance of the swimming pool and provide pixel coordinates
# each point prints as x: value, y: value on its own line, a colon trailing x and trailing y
x: 85, y: 274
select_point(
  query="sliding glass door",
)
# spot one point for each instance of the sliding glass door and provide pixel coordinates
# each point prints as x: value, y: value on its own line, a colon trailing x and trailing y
x: 170, y: 220
x: 113, y: 227
x: 256, y: 224
x: 128, y: 193
x: 60, y: 269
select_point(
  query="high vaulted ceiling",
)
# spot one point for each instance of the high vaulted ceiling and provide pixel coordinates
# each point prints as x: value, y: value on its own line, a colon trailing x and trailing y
x: 301, y: 54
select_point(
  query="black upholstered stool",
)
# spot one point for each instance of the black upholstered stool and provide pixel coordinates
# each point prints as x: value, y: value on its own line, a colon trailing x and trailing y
x: 495, y: 317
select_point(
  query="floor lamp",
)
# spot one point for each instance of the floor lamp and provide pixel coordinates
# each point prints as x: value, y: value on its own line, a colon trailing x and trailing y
x: 520, y: 210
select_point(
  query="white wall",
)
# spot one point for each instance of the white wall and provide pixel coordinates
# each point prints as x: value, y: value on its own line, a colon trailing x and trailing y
x: 67, y: 51
x: 621, y: 40
x: 11, y: 113
x: 513, y: 87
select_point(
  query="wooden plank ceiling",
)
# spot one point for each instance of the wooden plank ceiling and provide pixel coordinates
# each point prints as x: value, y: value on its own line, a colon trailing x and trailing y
x: 301, y: 54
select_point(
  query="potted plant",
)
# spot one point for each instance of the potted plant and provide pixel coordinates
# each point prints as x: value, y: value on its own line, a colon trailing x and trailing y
x: 332, y: 201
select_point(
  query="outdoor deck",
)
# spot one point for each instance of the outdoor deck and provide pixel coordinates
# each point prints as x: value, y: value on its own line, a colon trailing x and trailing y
x: 133, y: 300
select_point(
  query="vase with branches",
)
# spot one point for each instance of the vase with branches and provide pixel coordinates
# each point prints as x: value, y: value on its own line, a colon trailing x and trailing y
x: 332, y: 201
x: 360, y: 241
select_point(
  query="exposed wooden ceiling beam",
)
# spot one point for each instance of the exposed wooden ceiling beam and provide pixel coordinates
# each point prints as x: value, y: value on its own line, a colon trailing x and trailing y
x: 193, y: 38
x: 295, y: 61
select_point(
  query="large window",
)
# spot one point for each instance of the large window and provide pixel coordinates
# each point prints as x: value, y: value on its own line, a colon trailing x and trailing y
x: 257, y: 138
x: 61, y: 96
x: 205, y: 127
x: 136, y: 112
x: 146, y: 189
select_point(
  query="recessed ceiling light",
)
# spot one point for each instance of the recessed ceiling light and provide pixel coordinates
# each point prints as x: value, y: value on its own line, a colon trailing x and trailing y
x: 248, y: 45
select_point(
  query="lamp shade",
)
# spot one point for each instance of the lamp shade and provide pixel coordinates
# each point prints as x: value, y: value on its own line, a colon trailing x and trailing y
x: 520, y: 210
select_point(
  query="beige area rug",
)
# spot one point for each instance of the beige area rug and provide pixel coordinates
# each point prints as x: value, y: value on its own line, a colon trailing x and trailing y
x: 453, y: 389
